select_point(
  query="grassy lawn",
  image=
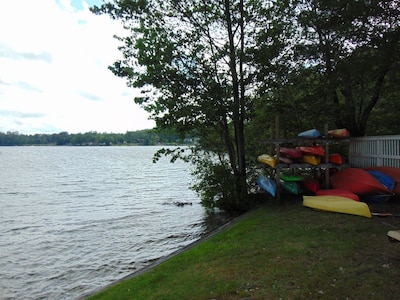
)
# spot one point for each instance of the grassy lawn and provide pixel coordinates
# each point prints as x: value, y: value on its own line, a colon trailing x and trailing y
x: 288, y: 252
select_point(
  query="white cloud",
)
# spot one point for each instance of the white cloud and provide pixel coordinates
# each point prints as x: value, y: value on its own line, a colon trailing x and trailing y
x: 54, y: 73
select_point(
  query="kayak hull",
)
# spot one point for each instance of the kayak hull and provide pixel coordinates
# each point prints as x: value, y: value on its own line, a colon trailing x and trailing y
x: 290, y: 186
x: 311, y: 159
x: 288, y: 176
x: 267, y: 160
x: 339, y: 133
x: 394, y: 173
x: 311, y: 184
x: 312, y: 133
x: 337, y: 204
x: 312, y: 150
x: 384, y: 179
x: 357, y: 181
x: 267, y: 184
x: 338, y: 192
x: 335, y: 158
x: 291, y: 152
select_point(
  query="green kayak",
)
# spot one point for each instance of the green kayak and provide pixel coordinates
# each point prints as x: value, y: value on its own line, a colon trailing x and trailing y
x: 290, y: 176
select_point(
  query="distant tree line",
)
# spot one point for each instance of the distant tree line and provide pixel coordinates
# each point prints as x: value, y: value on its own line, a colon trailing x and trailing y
x: 141, y: 137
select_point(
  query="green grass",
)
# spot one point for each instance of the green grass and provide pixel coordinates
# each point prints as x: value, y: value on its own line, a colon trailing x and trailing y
x: 287, y: 252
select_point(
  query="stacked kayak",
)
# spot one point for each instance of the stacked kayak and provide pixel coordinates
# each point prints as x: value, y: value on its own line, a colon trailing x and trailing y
x: 312, y: 150
x: 267, y: 184
x: 339, y: 133
x: 290, y: 182
x: 292, y: 153
x: 267, y: 160
x: 335, y: 158
x: 310, y: 134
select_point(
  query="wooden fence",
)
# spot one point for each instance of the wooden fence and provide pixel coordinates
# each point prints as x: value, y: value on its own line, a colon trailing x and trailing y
x: 375, y: 151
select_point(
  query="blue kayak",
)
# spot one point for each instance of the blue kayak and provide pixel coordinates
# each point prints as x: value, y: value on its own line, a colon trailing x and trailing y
x: 267, y: 184
x: 312, y: 133
x: 384, y: 179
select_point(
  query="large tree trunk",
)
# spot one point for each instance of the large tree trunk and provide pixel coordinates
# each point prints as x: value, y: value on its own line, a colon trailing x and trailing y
x: 238, y: 105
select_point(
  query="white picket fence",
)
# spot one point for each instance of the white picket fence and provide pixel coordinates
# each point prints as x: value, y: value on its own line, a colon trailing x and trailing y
x: 375, y: 151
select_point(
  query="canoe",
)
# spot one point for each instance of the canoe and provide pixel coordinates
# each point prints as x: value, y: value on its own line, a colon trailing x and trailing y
x: 267, y: 160
x: 384, y: 179
x: 312, y: 150
x: 312, y: 133
x: 335, y: 158
x: 291, y: 152
x: 358, y: 181
x: 337, y: 204
x: 338, y: 192
x: 311, y: 184
x: 267, y: 184
x: 339, y: 133
x: 290, y: 186
x: 311, y: 159
x: 291, y: 176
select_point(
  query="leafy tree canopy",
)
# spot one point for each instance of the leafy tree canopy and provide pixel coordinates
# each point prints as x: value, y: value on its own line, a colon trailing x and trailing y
x: 225, y: 68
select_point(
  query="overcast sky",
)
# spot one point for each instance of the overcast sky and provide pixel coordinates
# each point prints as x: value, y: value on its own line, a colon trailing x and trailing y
x: 54, y: 56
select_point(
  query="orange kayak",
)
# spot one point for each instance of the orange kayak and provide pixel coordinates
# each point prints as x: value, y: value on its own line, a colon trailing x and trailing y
x: 339, y: 133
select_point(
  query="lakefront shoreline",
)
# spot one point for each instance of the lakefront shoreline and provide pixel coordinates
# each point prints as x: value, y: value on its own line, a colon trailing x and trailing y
x: 276, y: 251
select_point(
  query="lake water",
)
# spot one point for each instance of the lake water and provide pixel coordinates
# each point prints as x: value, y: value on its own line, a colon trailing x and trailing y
x: 75, y: 219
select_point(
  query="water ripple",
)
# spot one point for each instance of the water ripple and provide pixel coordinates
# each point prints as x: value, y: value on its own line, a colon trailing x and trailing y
x: 75, y: 219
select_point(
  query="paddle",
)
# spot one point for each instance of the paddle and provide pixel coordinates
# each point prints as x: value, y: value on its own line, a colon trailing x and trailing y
x: 385, y: 214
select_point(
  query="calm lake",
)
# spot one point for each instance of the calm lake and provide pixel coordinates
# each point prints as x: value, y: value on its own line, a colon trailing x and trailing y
x: 75, y: 219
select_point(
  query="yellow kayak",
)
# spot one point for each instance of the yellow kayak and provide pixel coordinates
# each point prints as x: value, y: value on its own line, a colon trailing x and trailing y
x: 267, y: 160
x: 338, y: 204
x: 311, y: 159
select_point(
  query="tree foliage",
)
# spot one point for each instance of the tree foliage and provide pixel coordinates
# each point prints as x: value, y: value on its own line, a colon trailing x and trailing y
x: 226, y: 68
x: 193, y: 62
x: 144, y: 137
x: 345, y: 55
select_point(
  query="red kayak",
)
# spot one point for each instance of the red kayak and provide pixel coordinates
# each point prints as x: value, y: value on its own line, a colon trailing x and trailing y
x: 335, y: 158
x: 358, y: 181
x: 290, y: 152
x: 312, y: 150
x: 338, y: 192
x: 311, y: 184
